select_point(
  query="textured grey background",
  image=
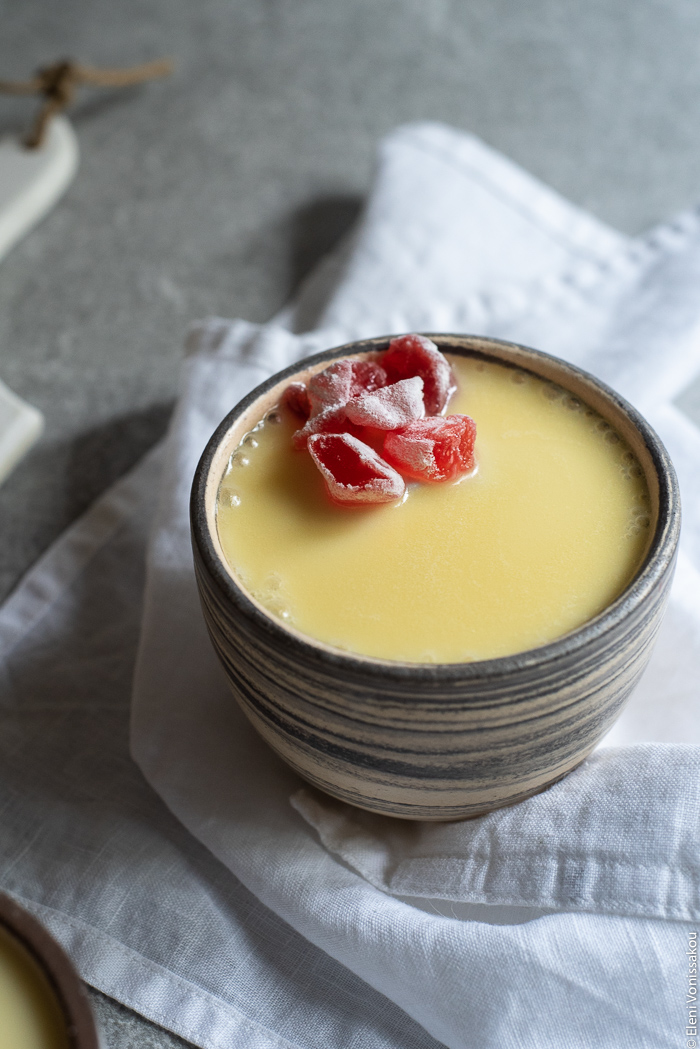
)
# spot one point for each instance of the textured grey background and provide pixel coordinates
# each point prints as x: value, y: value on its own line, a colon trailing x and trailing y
x: 215, y: 191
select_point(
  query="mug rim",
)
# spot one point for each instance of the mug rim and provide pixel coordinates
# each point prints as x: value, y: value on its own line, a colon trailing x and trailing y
x: 659, y: 556
x: 57, y: 968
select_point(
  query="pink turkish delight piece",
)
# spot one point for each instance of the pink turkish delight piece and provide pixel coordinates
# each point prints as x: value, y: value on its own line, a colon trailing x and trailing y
x: 384, y: 409
x: 411, y: 355
x: 390, y: 407
x: 331, y: 387
x: 367, y: 376
x: 332, y: 420
x: 340, y: 381
x: 296, y: 398
x: 354, y: 473
x: 440, y: 448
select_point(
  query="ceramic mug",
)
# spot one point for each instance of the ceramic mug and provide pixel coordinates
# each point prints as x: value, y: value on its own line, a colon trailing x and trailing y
x: 435, y: 741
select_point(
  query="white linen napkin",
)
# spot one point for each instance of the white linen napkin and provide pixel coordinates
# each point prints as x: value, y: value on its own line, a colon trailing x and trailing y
x: 457, y: 239
x: 293, y: 920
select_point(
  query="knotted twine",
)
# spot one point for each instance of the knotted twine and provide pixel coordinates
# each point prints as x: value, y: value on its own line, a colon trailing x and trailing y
x: 57, y: 83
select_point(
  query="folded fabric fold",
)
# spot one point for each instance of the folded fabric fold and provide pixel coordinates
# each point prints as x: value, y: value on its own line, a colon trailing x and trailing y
x: 620, y: 839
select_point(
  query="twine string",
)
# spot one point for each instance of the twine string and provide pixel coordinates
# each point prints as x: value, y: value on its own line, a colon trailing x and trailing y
x: 58, y: 82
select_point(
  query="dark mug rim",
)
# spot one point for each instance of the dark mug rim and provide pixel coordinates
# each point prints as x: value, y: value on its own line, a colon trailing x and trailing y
x: 56, y: 967
x: 659, y: 557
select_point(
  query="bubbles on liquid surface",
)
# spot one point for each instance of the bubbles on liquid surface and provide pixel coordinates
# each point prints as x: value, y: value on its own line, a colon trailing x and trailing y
x: 276, y: 606
x: 229, y: 496
x: 273, y: 417
x: 272, y: 594
x: 238, y: 459
x: 639, y: 517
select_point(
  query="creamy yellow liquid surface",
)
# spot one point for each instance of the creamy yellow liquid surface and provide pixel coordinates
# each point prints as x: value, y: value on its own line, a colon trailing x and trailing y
x: 30, y: 1016
x: 546, y: 532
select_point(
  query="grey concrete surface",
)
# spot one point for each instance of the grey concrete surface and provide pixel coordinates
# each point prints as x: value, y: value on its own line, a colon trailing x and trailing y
x: 119, y: 1028
x: 216, y: 191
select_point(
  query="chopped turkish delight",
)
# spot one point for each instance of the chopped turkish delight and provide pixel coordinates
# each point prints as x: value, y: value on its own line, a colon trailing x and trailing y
x: 389, y: 407
x: 354, y: 473
x: 333, y: 420
x: 385, y: 409
x: 296, y: 398
x: 439, y: 448
x: 411, y: 355
x: 367, y: 376
x: 395, y: 404
x: 340, y: 381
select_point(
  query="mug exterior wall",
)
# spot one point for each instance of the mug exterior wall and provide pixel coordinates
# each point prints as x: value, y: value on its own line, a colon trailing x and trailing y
x: 432, y: 749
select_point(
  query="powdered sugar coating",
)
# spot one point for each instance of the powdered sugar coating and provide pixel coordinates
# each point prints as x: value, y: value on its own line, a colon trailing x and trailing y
x: 439, y: 448
x: 336, y: 384
x: 417, y: 355
x: 389, y: 407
